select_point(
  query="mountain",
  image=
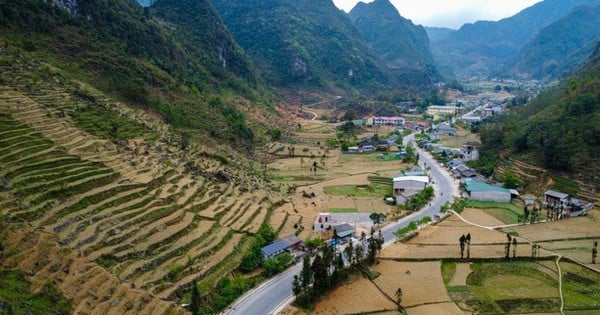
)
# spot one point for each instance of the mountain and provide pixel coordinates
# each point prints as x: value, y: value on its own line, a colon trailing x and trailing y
x: 396, y: 40
x: 476, y: 49
x: 560, y: 47
x: 436, y: 34
x: 558, y: 130
x: 308, y: 44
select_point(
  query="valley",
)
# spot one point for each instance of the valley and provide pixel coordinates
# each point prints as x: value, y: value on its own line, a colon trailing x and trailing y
x: 219, y: 157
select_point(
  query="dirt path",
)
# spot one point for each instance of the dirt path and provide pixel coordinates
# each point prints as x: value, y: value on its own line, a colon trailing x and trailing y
x: 460, y: 275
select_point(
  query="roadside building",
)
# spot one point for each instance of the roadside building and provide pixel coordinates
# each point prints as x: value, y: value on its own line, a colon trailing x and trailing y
x: 288, y: 244
x: 344, y: 230
x: 470, y: 151
x: 436, y: 110
x: 405, y: 187
x: 481, y: 191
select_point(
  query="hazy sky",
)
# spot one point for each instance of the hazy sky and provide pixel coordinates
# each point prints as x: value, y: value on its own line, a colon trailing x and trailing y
x: 450, y: 13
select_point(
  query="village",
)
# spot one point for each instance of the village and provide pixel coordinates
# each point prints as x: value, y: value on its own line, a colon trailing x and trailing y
x: 382, y: 178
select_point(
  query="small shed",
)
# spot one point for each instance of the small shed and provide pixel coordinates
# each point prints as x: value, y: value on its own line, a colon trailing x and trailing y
x: 344, y: 230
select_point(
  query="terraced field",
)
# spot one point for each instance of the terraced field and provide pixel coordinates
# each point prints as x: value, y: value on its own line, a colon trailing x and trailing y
x: 128, y: 198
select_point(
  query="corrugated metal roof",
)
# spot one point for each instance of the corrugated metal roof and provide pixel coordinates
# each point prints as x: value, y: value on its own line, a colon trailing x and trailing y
x: 471, y: 185
x: 556, y: 194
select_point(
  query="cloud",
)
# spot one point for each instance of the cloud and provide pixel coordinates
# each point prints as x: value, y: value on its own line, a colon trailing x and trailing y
x: 451, y: 14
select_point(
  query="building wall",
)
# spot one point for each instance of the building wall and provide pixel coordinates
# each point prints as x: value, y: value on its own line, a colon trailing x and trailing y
x: 496, y: 196
x: 409, y: 185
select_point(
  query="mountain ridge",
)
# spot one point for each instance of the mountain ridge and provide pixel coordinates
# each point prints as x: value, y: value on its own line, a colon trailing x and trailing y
x: 397, y: 41
x: 560, y: 47
x: 477, y: 48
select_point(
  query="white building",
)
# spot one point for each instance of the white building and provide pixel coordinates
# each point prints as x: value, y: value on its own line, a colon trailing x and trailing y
x: 406, y: 187
x: 395, y: 121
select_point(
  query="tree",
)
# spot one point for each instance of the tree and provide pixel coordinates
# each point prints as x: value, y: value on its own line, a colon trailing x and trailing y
x: 468, y: 241
x: 349, y: 251
x: 507, y: 246
x: 306, y: 273
x: 594, y: 252
x: 462, y: 241
x: 377, y: 218
x: 514, y: 243
x: 195, y: 299
x: 296, y: 287
x: 525, y: 214
x: 399, y: 297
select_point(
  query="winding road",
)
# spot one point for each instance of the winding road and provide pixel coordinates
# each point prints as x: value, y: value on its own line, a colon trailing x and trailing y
x: 275, y: 294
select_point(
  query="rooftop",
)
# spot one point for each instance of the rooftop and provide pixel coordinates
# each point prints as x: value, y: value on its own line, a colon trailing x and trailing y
x: 556, y: 194
x: 475, y: 186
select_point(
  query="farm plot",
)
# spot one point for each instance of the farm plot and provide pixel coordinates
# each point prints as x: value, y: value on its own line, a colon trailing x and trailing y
x: 355, y: 297
x: 508, y: 288
x: 127, y: 204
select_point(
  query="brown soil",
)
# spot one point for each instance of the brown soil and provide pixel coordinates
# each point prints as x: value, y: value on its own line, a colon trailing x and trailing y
x: 92, y: 289
x: 356, y: 296
x: 460, y: 276
x: 421, y: 282
x: 479, y: 217
x: 437, y: 309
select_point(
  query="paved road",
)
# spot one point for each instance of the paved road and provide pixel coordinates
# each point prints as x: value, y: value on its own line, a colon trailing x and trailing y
x: 273, y: 295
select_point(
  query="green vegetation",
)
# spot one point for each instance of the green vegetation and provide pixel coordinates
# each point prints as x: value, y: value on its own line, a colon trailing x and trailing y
x: 112, y: 125
x: 371, y: 190
x: 342, y: 210
x: 395, y: 39
x: 581, y: 288
x: 410, y: 228
x: 421, y: 199
x: 316, y: 47
x: 505, y: 212
x: 505, y: 288
x: 556, y: 130
x: 564, y: 184
x: 16, y: 296
x: 253, y: 258
x: 561, y: 47
x: 448, y: 271
x: 123, y: 51
x: 278, y: 264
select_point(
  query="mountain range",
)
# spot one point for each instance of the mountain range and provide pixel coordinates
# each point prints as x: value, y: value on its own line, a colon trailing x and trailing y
x: 558, y: 130
x: 308, y: 44
x: 559, y: 47
x: 478, y: 48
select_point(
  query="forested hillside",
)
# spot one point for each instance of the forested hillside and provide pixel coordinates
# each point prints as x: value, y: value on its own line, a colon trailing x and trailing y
x: 396, y: 40
x: 561, y: 47
x: 309, y: 45
x: 479, y: 48
x: 121, y: 49
x: 559, y: 130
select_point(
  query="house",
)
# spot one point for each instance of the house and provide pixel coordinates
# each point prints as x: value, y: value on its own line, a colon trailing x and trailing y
x: 470, y: 151
x: 555, y: 199
x: 444, y: 129
x: 442, y: 110
x: 367, y: 149
x: 408, y: 186
x: 394, y: 121
x: 454, y: 163
x: 462, y: 171
x: 344, y: 230
x: 413, y: 171
x: 288, y: 244
x: 484, y: 192
x: 353, y: 150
